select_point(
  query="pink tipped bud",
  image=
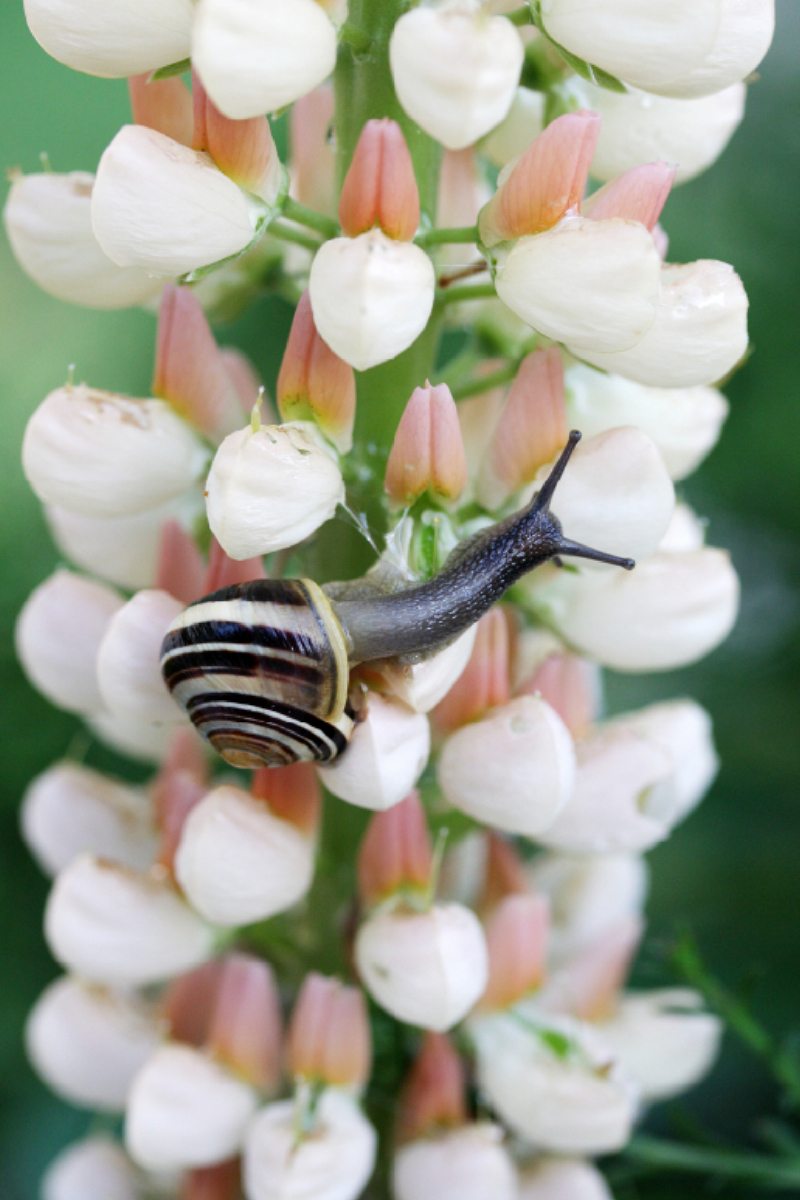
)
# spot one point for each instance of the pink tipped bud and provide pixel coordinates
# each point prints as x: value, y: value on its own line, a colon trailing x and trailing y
x: 313, y: 163
x: 190, y: 371
x: 380, y: 187
x: 162, y: 104
x: 517, y: 942
x: 177, y: 794
x: 588, y: 984
x: 248, y: 385
x: 428, y: 451
x: 433, y: 1093
x: 638, y: 195
x: 485, y: 682
x: 546, y: 182
x: 569, y: 684
x: 293, y: 794
x: 329, y: 1037
x: 531, y: 430
x: 504, y: 873
x: 188, y: 1002
x: 245, y: 1028
x: 220, y: 1182
x: 395, y: 854
x: 224, y: 571
x: 315, y: 383
x: 245, y: 151
x: 180, y: 569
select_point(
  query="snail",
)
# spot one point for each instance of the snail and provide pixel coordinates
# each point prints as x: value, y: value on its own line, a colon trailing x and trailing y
x: 263, y: 668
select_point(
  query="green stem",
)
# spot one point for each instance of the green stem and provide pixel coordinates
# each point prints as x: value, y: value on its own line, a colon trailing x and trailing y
x: 471, y: 291
x: 436, y: 237
x: 474, y: 387
x: 774, y: 1173
x: 285, y: 233
x: 520, y: 16
x: 310, y: 218
x: 359, y: 41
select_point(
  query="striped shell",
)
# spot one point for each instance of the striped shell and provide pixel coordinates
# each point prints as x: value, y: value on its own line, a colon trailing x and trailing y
x: 261, y: 669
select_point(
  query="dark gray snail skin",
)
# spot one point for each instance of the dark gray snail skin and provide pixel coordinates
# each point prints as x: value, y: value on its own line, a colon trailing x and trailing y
x: 262, y: 668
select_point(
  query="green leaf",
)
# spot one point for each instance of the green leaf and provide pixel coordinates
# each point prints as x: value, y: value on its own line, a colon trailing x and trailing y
x: 176, y: 68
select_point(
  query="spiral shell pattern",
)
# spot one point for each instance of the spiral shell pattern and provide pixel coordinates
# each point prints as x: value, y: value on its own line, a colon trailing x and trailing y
x: 261, y: 669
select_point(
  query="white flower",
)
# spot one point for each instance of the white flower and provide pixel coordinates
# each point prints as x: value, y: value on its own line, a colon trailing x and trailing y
x: 469, y: 1163
x: 333, y: 1162
x: 185, y: 1110
x: 238, y: 863
x: 639, y: 128
x: 593, y: 285
x: 135, y: 739
x: 114, y: 926
x: 115, y: 38
x: 513, y: 770
x: 455, y: 70
x: 685, y: 48
x: 49, y: 225
x: 128, y: 671
x: 588, y: 896
x: 92, y: 1169
x: 371, y: 296
x: 423, y: 684
x: 616, y: 494
x: 88, y: 1043
x: 684, y: 423
x: 256, y: 56
x: 271, y: 488
x: 58, y: 634
x: 553, y: 1083
x: 671, y: 610
x: 105, y: 455
x: 524, y: 122
x: 426, y: 968
x: 168, y: 209
x: 563, y: 1179
x: 699, y: 333
x: 663, y: 1039
x: 386, y: 755
x: 70, y: 809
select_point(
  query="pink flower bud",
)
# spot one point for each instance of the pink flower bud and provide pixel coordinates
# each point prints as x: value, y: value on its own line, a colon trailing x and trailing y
x: 185, y: 1110
x: 570, y: 685
x: 371, y: 296
x: 385, y: 757
x: 58, y: 636
x: 331, y: 1162
x: 91, y: 1169
x: 455, y: 70
x: 504, y: 873
x: 546, y: 183
x: 531, y: 430
x: 220, y: 1182
x: 181, y: 569
x: 514, y: 770
x: 293, y: 794
x: 379, y: 187
x: 314, y: 383
x: 87, y: 1043
x: 485, y: 683
x: 245, y: 151
x: 162, y: 104
x: 224, y: 571
x: 247, y: 382
x: 187, y: 1003
x: 329, y: 1035
x: 175, y: 793
x: 427, y: 451
x: 395, y: 854
x: 312, y: 163
x: 255, y: 56
x: 516, y: 938
x: 638, y: 195
x: 245, y: 1028
x: 433, y: 1093
x: 70, y: 809
x: 425, y: 968
x: 190, y: 371
x: 49, y: 225
x: 115, y: 926
x: 588, y: 984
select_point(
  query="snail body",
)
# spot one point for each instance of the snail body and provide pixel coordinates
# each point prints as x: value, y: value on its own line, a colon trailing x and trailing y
x: 262, y: 668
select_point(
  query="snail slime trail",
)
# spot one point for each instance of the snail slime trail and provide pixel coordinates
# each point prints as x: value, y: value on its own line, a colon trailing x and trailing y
x: 262, y: 668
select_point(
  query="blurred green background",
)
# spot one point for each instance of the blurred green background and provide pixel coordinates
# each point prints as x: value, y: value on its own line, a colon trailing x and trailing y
x: 733, y: 870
